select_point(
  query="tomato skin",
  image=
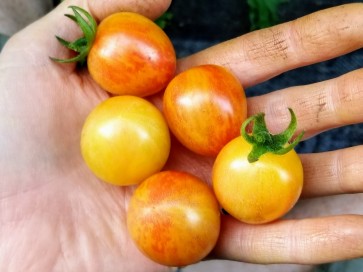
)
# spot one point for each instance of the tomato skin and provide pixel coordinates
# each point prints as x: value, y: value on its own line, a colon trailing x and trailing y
x: 124, y: 140
x: 257, y: 192
x: 205, y: 107
x: 174, y: 218
x: 131, y: 55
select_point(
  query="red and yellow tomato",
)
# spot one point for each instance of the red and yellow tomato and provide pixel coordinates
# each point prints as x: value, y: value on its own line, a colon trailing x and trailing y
x: 174, y: 218
x: 205, y: 107
x: 131, y: 55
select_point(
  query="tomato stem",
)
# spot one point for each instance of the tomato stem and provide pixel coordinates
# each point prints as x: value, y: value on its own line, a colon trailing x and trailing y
x: 263, y: 141
x: 83, y: 45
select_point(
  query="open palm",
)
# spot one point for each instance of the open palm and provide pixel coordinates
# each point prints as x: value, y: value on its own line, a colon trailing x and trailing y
x: 51, y: 202
x: 55, y: 215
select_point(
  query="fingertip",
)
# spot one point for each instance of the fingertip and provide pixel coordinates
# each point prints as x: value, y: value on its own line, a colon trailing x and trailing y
x: 149, y: 8
x: 101, y: 9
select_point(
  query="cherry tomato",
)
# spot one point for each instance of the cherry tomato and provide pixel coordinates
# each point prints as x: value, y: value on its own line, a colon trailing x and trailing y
x: 131, y: 55
x: 174, y: 218
x: 124, y: 140
x: 205, y: 107
x: 258, y: 177
x: 257, y: 192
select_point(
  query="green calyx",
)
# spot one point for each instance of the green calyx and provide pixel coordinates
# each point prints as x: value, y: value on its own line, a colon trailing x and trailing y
x: 263, y: 141
x: 82, y: 45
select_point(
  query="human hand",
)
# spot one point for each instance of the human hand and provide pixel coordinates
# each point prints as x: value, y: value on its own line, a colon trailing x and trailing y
x: 261, y: 55
x: 55, y: 215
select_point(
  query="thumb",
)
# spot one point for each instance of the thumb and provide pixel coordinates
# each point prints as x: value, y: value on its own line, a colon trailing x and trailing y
x: 149, y: 8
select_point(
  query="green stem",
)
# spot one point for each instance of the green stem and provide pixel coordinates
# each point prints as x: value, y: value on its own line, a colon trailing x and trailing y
x: 82, y: 45
x: 263, y: 141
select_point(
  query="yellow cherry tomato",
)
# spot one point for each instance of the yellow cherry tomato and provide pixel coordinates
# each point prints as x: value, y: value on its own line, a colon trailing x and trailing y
x: 258, y: 177
x: 124, y: 140
x: 257, y: 192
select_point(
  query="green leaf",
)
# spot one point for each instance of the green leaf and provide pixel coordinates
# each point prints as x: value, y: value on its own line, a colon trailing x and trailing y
x: 264, y: 13
x: 164, y: 19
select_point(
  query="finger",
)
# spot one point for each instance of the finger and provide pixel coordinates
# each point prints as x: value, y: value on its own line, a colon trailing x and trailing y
x: 260, y: 55
x: 101, y: 9
x: 304, y: 241
x: 334, y: 172
x: 318, y: 107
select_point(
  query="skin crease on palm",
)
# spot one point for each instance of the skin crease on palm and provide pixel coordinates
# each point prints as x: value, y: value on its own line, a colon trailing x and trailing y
x: 56, y: 216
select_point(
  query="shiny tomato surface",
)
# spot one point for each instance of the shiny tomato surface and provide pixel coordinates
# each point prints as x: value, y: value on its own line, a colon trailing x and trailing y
x: 257, y: 192
x: 174, y: 218
x: 124, y: 140
x: 131, y: 55
x: 205, y: 107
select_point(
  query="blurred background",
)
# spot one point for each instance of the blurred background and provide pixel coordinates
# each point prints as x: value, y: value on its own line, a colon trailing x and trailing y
x: 194, y: 25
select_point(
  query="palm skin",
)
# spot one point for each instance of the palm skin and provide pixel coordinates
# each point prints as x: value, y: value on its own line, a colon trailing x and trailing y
x: 50, y: 201
x: 56, y: 216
